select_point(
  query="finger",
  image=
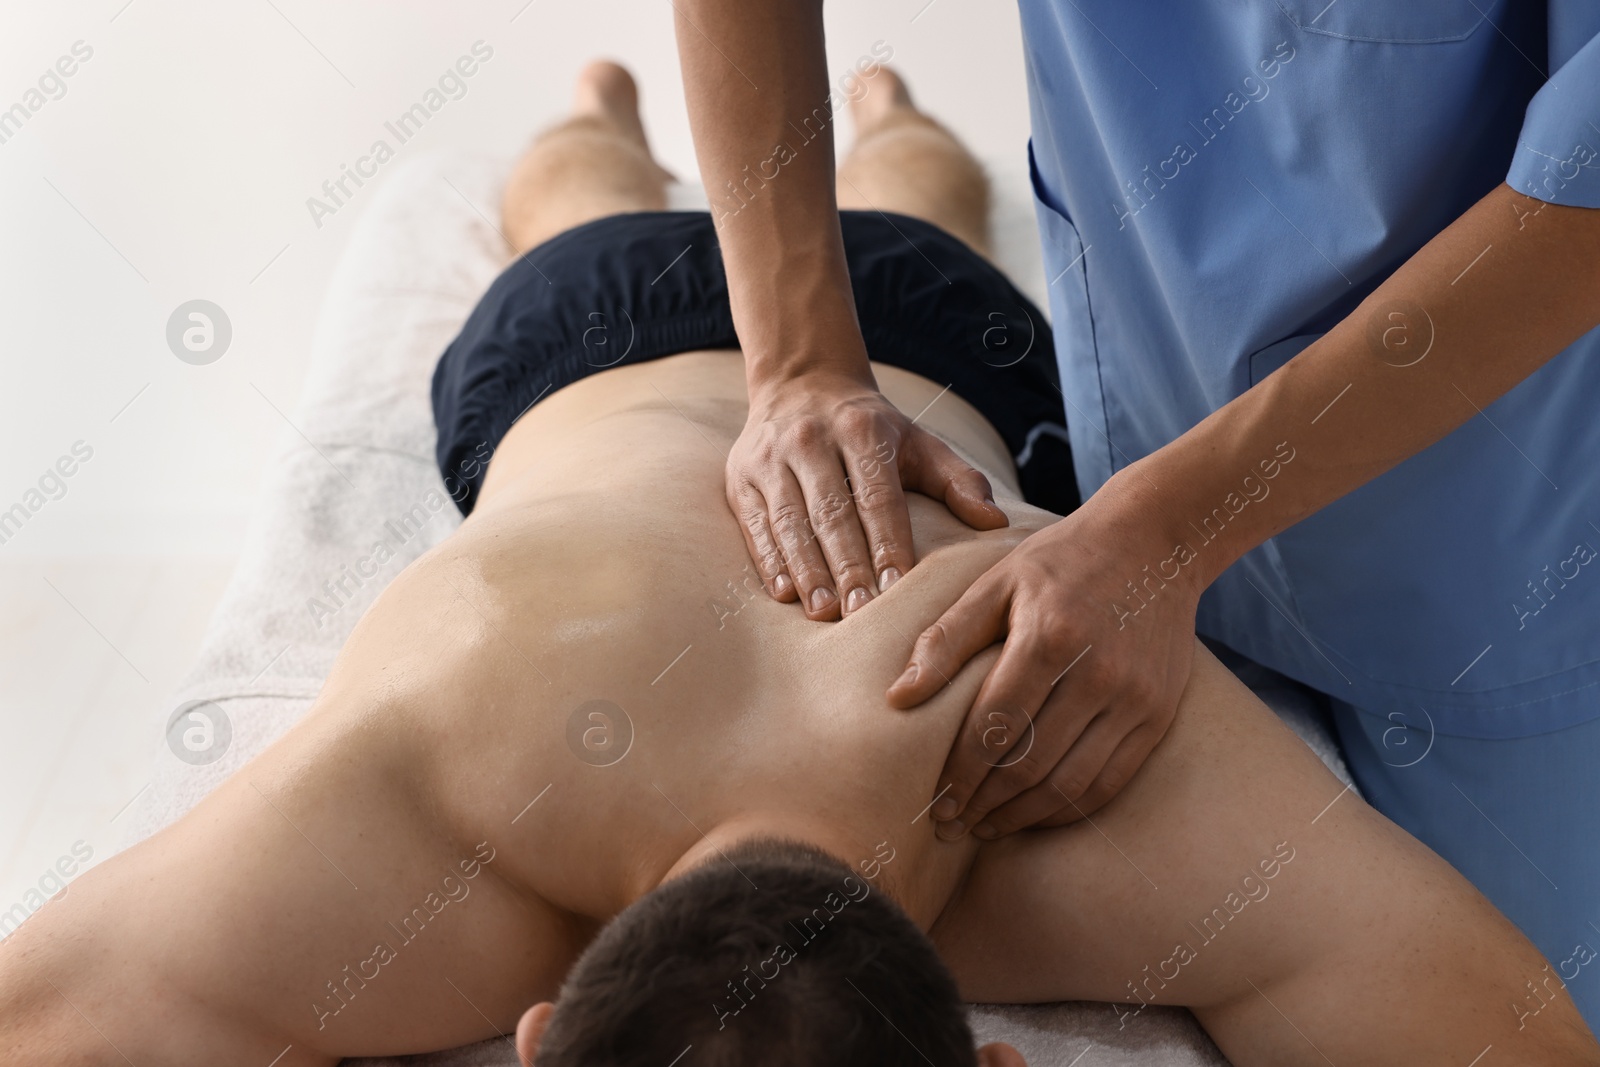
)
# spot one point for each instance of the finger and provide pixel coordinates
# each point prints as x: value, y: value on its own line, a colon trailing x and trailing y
x: 1056, y: 719
x: 839, y: 533
x: 802, y: 556
x: 881, y: 504
x: 932, y: 468
x: 1089, y: 756
x: 751, y: 509
x: 967, y: 627
x: 1114, y: 777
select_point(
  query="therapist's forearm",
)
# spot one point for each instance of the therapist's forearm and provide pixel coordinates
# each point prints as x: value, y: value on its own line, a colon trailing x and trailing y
x: 1343, y: 407
x: 755, y: 74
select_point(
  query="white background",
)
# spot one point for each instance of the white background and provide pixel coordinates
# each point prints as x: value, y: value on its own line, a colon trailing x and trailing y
x: 177, y: 166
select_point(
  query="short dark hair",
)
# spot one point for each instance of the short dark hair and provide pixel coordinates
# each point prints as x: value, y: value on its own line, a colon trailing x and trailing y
x: 774, y: 953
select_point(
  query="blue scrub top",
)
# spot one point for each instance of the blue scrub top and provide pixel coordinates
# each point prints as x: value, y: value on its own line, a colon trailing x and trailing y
x: 1218, y: 182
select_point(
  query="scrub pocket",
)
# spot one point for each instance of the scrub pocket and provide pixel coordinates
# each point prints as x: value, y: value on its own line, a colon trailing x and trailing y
x: 1065, y: 267
x: 1390, y: 21
x: 1272, y: 357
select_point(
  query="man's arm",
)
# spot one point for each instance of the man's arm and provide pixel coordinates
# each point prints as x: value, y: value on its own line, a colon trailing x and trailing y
x: 817, y: 478
x: 1300, y: 925
x: 1478, y: 309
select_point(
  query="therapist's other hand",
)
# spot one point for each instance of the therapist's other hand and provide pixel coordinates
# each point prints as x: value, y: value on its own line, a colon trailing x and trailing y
x: 817, y: 480
x: 1088, y: 679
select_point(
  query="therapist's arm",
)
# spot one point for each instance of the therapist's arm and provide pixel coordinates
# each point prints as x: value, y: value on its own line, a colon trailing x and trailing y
x: 1478, y: 309
x: 817, y: 477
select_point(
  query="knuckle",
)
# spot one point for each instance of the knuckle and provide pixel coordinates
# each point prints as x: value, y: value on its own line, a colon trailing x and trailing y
x: 753, y: 517
x: 1073, y: 784
x: 791, y: 523
x: 1051, y: 641
x: 886, y: 553
x: 806, y: 434
x: 972, y: 480
x: 808, y: 573
x: 995, y: 735
x: 934, y: 641
x: 1018, y: 771
x: 1097, y: 675
x: 1050, y: 620
x: 769, y: 562
x: 831, y: 511
x: 978, y: 803
x: 852, y: 573
x: 876, y: 496
x: 858, y: 422
x: 964, y: 780
x: 1049, y: 661
x: 1143, y: 696
x: 846, y: 579
x: 1001, y: 821
x: 1111, y: 781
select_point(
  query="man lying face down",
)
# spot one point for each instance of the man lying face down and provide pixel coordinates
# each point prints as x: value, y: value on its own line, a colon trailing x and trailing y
x: 575, y: 780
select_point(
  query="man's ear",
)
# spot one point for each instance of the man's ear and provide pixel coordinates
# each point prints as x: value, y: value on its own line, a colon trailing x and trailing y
x: 531, y: 1028
x: 997, y: 1054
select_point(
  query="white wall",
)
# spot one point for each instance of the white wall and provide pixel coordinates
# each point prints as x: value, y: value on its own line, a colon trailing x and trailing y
x: 190, y: 141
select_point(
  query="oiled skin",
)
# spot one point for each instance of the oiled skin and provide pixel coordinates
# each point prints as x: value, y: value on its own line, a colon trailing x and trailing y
x: 602, y: 564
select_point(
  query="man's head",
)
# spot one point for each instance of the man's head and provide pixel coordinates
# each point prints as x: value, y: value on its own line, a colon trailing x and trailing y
x: 774, y: 953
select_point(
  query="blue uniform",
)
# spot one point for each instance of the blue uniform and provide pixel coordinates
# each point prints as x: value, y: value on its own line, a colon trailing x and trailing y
x: 1217, y: 185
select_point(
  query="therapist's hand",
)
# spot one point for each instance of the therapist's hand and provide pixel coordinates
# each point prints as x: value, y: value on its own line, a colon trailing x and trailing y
x: 817, y: 480
x: 1082, y: 690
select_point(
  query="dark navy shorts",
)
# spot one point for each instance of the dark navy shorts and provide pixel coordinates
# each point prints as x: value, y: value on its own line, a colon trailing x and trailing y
x: 641, y: 286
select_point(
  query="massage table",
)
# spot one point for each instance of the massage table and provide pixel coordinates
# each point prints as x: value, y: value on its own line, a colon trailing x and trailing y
x: 357, y: 471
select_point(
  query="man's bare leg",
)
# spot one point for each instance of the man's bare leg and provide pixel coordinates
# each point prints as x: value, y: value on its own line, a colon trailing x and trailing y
x: 904, y: 161
x: 1237, y: 876
x: 596, y: 163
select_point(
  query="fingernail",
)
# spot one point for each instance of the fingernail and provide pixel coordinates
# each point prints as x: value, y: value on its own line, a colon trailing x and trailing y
x: 946, y: 809
x: 821, y: 597
x: 985, y: 831
x: 889, y: 576
x: 908, y: 678
x: 858, y: 598
x: 780, y: 584
x: 950, y: 831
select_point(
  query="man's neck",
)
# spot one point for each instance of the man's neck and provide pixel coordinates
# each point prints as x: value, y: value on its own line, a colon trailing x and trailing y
x: 920, y: 873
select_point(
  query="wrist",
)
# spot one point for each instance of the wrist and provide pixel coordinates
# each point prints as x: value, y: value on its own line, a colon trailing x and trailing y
x: 1188, y: 545
x: 806, y: 375
x: 824, y: 354
x: 802, y: 329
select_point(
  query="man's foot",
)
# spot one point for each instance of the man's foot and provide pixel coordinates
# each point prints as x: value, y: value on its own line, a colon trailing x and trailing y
x: 904, y: 160
x: 886, y: 94
x: 605, y: 90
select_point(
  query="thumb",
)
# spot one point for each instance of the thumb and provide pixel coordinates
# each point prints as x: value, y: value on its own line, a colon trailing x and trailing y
x: 932, y: 468
x: 969, y: 626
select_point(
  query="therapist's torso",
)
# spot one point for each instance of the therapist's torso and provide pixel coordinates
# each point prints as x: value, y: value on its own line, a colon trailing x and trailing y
x: 1218, y: 182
